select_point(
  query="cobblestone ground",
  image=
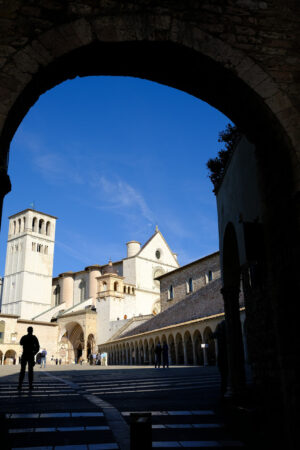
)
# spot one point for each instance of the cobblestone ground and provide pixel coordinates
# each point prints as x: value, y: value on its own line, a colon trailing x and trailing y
x: 83, y: 407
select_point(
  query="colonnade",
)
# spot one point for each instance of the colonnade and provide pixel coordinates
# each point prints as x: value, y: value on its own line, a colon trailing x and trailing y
x: 186, y: 347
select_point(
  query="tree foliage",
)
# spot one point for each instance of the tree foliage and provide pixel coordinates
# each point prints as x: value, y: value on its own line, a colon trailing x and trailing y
x: 216, y: 166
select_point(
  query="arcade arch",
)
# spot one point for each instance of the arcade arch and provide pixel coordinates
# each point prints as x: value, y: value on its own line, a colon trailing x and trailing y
x: 10, y: 357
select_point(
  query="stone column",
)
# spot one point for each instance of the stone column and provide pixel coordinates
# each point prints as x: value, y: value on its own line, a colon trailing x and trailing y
x: 185, y: 354
x: 194, y: 353
x: 235, y: 351
x: 66, y: 283
x: 205, y: 361
x: 94, y: 272
x: 176, y: 353
x: 217, y: 350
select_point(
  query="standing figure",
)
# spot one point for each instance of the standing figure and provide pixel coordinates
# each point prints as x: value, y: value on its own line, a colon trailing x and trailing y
x: 157, y: 352
x: 165, y: 354
x: 43, y: 358
x: 220, y: 335
x: 31, y: 346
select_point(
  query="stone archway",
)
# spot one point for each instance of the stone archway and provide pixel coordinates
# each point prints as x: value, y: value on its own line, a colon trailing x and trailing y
x: 90, y: 345
x: 198, y: 349
x: 188, y: 348
x: 151, y: 352
x: 211, y: 349
x: 172, y: 351
x: 179, y: 348
x: 10, y: 357
x: 72, y: 342
x: 245, y: 73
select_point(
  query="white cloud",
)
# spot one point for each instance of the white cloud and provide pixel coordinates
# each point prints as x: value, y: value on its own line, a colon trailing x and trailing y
x: 123, y: 198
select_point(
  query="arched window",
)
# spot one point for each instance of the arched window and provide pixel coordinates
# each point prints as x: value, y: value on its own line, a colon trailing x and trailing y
x: 124, y: 289
x: 19, y: 225
x: 189, y: 286
x: 24, y: 224
x: 57, y: 295
x: 41, y: 226
x: 82, y: 287
x: 38, y: 248
x: 128, y: 290
x: 170, y: 292
x: 48, y: 228
x: 133, y: 291
x: 34, y: 224
x: 116, y: 286
x: 104, y: 286
x: 15, y: 227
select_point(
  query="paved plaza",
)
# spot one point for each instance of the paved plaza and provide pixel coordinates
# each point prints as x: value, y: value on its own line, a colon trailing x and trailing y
x: 88, y: 407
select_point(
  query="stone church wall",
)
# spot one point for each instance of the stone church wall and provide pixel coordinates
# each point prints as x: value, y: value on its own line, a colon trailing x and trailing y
x: 198, y: 271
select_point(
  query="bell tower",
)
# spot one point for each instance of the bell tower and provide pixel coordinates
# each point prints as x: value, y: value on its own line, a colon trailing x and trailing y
x: 29, y: 264
x: 110, y: 298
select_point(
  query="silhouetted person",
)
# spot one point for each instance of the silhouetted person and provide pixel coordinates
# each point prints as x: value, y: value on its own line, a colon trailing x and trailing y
x: 222, y: 361
x: 31, y: 346
x: 157, y: 352
x: 165, y: 355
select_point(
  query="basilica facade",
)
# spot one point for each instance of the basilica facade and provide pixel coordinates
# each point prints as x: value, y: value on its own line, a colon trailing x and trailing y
x: 120, y: 309
x: 76, y: 311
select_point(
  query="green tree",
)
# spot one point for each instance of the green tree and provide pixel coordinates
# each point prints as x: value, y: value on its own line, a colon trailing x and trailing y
x: 216, y: 166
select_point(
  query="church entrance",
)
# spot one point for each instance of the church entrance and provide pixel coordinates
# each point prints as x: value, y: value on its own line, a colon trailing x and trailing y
x: 72, y: 343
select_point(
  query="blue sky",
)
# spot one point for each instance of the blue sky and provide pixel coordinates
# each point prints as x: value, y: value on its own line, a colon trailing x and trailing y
x: 112, y: 157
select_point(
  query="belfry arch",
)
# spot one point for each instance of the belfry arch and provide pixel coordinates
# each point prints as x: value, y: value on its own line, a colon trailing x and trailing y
x: 239, y: 80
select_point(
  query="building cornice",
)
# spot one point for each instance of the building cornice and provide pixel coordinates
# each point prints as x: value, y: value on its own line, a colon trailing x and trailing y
x: 34, y: 322
x: 33, y: 210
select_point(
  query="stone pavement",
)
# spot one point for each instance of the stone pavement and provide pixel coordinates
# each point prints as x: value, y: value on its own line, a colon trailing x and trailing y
x: 82, y: 407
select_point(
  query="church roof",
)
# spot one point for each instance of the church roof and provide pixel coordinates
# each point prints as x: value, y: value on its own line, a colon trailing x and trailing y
x: 157, y: 231
x: 203, y: 303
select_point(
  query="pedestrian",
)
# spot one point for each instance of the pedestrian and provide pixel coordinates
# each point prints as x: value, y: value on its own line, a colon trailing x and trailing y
x: 30, y: 346
x: 43, y: 358
x: 157, y: 352
x: 56, y: 361
x: 222, y: 360
x: 91, y: 359
x: 59, y: 361
x: 165, y: 355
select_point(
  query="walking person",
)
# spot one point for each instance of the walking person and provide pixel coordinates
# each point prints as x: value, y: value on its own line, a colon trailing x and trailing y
x: 222, y: 361
x: 30, y: 346
x: 165, y: 355
x: 43, y: 358
x: 157, y: 352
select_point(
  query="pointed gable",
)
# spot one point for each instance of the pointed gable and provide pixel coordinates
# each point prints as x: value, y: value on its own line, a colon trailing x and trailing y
x: 157, y: 249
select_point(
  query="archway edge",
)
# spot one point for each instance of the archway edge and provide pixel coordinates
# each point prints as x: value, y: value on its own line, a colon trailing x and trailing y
x: 29, y: 67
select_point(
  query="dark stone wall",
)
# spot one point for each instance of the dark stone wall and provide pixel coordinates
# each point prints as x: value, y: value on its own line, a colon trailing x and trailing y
x: 241, y: 56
